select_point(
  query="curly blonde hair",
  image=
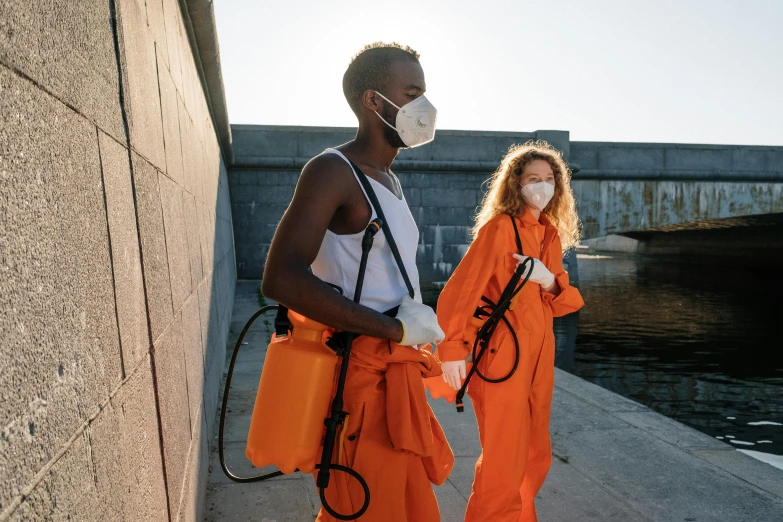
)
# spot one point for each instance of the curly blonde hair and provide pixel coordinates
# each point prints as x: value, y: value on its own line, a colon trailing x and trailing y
x: 505, y: 197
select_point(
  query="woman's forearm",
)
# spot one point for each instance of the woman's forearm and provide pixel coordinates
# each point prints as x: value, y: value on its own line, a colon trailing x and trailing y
x: 553, y: 289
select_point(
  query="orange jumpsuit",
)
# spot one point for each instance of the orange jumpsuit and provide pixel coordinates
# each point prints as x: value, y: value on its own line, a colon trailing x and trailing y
x: 513, y: 416
x: 391, y: 436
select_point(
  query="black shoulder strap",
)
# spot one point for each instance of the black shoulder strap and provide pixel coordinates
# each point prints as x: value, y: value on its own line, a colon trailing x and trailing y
x: 516, y: 233
x: 384, y: 226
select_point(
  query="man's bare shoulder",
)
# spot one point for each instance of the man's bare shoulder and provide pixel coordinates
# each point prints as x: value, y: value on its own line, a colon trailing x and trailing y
x: 327, y: 169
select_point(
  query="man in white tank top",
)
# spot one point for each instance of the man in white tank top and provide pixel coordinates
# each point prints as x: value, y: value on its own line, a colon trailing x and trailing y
x: 391, y: 436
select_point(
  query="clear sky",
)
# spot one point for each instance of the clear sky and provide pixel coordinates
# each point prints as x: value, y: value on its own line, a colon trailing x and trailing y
x: 687, y: 71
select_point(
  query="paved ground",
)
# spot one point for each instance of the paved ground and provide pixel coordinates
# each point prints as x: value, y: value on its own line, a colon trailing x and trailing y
x: 615, y: 460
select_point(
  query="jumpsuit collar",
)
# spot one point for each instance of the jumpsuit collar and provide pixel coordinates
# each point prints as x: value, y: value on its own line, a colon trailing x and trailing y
x: 529, y: 221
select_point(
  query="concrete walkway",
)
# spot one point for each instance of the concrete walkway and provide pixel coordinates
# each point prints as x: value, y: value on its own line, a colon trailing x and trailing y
x: 614, y: 459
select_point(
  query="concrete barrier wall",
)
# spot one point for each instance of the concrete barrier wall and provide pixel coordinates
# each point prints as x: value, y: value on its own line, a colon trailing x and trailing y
x: 443, y: 183
x: 677, y: 162
x: 117, y: 268
x: 620, y: 187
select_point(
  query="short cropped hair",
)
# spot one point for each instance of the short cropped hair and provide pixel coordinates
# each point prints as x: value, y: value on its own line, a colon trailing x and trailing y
x: 370, y: 69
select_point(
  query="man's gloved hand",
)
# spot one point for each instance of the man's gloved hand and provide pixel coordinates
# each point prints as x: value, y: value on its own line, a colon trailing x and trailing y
x: 419, y: 323
x: 453, y: 373
x: 541, y: 274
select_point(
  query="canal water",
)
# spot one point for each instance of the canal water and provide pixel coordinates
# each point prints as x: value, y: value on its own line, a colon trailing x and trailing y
x: 700, y: 344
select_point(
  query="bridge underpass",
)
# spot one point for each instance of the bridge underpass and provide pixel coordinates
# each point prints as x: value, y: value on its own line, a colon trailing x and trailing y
x: 695, y: 201
x: 749, y: 240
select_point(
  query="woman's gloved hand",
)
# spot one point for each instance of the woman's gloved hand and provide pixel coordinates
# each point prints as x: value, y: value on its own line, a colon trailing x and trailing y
x: 541, y: 273
x: 419, y: 323
x: 453, y: 373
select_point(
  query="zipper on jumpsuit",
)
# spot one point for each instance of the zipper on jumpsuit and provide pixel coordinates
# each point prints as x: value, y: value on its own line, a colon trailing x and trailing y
x: 547, y: 241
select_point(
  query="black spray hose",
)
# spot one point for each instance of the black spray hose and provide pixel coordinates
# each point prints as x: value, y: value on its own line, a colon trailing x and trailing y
x: 487, y: 336
x: 486, y: 331
x: 331, y: 422
x: 227, y: 387
x: 498, y: 314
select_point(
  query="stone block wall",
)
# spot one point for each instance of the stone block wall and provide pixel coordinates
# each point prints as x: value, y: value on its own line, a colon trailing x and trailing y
x: 117, y: 266
x: 443, y: 183
x: 619, y: 187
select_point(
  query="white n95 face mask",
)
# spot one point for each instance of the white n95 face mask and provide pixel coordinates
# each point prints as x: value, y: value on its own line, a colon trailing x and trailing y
x: 415, y: 121
x: 538, y: 195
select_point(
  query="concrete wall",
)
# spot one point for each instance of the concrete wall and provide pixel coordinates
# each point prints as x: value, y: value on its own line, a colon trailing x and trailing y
x: 620, y: 187
x: 116, y: 260
x: 673, y: 161
x: 441, y: 181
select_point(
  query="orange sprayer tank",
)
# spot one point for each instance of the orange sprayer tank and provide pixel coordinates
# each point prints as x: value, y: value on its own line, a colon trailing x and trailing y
x: 293, y: 399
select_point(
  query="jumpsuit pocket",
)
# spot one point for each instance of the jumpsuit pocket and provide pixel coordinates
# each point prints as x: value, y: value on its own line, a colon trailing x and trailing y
x: 350, y: 438
x: 495, y: 362
x: 510, y: 263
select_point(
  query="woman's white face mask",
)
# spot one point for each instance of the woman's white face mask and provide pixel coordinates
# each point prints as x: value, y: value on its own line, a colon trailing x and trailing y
x: 538, y: 195
x: 415, y: 121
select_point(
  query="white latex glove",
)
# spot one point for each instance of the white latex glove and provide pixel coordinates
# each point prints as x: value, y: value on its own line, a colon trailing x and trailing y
x: 453, y: 373
x: 541, y: 274
x: 419, y: 323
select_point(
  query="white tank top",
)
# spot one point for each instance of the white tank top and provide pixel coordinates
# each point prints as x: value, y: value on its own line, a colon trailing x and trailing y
x: 338, y: 259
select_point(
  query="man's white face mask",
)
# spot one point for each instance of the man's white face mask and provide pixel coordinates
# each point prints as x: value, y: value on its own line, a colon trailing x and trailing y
x: 415, y: 121
x: 538, y: 195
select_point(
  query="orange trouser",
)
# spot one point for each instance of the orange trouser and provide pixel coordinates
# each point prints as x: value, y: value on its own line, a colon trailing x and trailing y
x: 513, y: 422
x: 391, y: 437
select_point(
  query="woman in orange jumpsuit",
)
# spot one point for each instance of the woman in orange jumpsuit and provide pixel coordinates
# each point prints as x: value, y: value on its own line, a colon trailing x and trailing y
x: 532, y: 184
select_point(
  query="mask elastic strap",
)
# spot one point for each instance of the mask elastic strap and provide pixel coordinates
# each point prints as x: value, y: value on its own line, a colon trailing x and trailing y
x: 386, y: 122
x: 381, y: 117
x: 387, y: 99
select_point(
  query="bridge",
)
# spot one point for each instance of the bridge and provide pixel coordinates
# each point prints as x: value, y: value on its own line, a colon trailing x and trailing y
x: 643, y: 197
x: 632, y: 187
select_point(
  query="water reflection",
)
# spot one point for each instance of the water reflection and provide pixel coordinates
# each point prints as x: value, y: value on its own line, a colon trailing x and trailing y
x: 691, y: 342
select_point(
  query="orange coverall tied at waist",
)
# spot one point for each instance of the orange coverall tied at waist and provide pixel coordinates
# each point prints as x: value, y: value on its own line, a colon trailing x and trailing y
x: 390, y: 437
x: 513, y: 415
